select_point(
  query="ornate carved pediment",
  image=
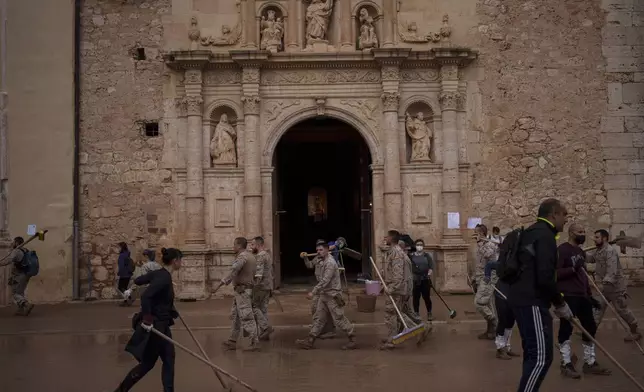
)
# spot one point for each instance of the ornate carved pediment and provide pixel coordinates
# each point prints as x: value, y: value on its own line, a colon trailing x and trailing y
x: 314, y: 76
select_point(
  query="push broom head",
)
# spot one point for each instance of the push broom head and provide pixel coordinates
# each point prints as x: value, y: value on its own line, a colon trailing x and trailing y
x: 409, y: 333
x: 452, y: 313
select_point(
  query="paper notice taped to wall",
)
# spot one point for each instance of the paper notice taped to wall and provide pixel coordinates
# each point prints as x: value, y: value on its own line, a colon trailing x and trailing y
x: 453, y: 220
x: 472, y: 222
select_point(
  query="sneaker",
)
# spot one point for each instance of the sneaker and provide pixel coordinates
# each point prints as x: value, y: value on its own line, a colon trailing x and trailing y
x: 596, y: 369
x: 502, y: 354
x: 512, y: 353
x: 229, y: 345
x: 569, y: 371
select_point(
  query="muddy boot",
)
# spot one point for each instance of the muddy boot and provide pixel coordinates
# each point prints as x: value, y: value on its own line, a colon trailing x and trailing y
x: 266, y: 335
x: 28, y: 308
x: 596, y: 369
x: 229, y: 345
x: 20, y: 311
x: 569, y: 371
x: 490, y: 333
x: 502, y: 354
x: 253, y: 347
x: 328, y: 335
x: 351, y: 345
x: 306, y: 344
x: 512, y: 353
x: 634, y: 336
x: 387, y: 346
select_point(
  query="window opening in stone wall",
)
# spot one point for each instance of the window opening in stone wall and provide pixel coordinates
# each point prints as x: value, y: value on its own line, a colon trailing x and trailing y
x: 140, y: 54
x: 152, y: 129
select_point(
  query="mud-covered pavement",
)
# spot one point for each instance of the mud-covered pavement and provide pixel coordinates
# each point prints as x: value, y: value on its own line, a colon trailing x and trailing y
x: 79, y: 347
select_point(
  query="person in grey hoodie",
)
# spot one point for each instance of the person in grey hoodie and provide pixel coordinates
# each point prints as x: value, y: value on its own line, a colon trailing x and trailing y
x: 149, y: 266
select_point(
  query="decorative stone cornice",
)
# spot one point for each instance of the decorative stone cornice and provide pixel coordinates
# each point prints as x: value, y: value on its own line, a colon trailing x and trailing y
x: 390, y: 101
x: 194, y: 105
x: 391, y: 56
x: 450, y: 100
x: 251, y: 104
x: 249, y: 58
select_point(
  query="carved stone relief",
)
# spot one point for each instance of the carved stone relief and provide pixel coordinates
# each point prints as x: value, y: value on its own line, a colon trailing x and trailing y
x: 251, y: 104
x: 224, y: 212
x: 223, y: 144
x: 276, y: 108
x: 193, y: 76
x: 272, y: 31
x: 229, y: 36
x: 368, y: 39
x: 320, y: 103
x: 194, y: 105
x: 390, y: 73
x: 250, y: 75
x: 413, y: 75
x: 390, y: 101
x: 450, y: 100
x: 408, y: 32
x: 421, y: 208
x: 318, y: 15
x: 222, y: 77
x: 366, y: 109
x: 288, y: 77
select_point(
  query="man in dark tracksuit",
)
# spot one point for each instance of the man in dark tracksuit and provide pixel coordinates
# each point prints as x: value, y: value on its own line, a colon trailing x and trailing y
x: 504, y: 315
x: 535, y: 289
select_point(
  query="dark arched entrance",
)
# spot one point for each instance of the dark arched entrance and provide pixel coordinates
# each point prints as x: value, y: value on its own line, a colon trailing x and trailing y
x: 322, y: 191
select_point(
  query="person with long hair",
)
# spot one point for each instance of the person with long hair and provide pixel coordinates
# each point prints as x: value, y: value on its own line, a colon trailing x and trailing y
x: 125, y: 269
x: 157, y: 311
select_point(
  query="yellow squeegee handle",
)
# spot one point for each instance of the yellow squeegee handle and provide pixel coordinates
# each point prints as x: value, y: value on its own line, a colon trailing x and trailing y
x: 375, y: 267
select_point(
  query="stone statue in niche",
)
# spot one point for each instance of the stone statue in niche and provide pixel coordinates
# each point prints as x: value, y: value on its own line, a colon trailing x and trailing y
x: 272, y: 32
x: 318, y: 14
x: 368, y: 38
x: 421, y: 137
x: 222, y: 145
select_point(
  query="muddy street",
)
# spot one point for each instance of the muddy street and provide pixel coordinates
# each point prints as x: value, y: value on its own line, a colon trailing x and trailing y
x: 79, y: 348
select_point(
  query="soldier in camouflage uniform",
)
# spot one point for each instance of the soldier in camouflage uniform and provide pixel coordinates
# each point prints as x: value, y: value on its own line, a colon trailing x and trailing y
x: 263, y: 287
x: 242, y: 276
x: 18, y: 280
x: 408, y: 308
x: 484, y: 287
x: 611, y: 282
x: 397, y: 282
x: 331, y: 304
x: 328, y: 331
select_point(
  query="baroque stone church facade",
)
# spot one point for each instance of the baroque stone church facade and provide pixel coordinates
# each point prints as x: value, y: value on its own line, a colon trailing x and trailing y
x: 464, y: 110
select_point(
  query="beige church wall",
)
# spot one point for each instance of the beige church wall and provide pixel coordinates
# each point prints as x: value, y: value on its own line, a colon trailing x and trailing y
x: 128, y: 191
x: 40, y: 139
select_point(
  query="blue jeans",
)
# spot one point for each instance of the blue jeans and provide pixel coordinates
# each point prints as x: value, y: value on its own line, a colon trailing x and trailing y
x: 535, y: 326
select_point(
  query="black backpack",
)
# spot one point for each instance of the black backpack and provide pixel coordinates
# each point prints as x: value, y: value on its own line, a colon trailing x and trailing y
x: 509, y: 267
x: 129, y: 264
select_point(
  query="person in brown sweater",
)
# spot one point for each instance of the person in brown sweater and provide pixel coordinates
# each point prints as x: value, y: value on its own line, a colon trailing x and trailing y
x: 242, y: 274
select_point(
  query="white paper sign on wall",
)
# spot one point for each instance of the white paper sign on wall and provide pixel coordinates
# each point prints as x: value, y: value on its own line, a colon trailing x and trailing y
x: 31, y: 229
x: 453, y: 220
x: 472, y: 222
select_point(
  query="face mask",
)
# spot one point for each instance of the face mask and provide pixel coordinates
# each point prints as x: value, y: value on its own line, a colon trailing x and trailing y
x: 419, y: 248
x: 580, y: 239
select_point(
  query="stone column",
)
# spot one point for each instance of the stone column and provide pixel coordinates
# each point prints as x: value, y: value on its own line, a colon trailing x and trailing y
x: 292, y: 24
x: 345, y: 26
x: 390, y: 8
x: 194, y: 160
x: 252, y: 153
x: 454, y: 248
x: 251, y: 25
x: 378, y: 212
x: 206, y: 143
x: 392, y: 186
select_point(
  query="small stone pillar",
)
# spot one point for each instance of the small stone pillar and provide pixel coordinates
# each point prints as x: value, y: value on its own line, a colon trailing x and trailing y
x: 390, y: 10
x: 454, y: 247
x: 345, y: 26
x: 292, y: 25
x: 250, y: 25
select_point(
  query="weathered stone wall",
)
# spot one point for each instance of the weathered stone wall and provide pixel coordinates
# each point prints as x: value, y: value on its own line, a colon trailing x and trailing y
x: 126, y: 195
x: 622, y: 124
x: 543, y: 98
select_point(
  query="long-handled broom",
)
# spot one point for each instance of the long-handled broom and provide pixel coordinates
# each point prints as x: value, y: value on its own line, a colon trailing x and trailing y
x: 408, y: 332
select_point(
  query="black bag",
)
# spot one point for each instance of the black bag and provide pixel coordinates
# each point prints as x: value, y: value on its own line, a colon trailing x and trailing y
x: 129, y: 263
x: 509, y: 267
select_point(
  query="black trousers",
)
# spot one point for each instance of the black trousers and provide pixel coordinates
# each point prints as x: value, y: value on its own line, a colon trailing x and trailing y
x: 535, y: 325
x: 504, y: 314
x: 123, y: 283
x: 421, y: 288
x: 155, y: 349
x: 582, y: 308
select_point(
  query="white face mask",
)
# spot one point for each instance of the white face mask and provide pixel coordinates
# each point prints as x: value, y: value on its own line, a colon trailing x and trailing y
x: 419, y: 248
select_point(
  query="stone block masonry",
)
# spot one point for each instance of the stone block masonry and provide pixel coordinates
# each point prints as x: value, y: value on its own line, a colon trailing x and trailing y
x: 622, y: 127
x: 126, y: 196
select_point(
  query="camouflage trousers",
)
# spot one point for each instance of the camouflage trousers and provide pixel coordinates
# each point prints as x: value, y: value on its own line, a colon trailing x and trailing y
x: 18, y: 284
x: 619, y: 301
x: 260, y: 308
x: 483, y: 300
x: 392, y: 320
x: 330, y: 308
x: 329, y: 327
x: 242, y: 316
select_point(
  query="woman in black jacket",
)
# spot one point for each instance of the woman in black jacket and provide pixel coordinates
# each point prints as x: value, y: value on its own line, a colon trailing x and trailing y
x: 157, y: 310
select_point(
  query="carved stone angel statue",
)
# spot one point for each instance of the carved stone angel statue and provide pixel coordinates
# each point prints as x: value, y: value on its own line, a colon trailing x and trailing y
x: 272, y: 33
x: 318, y: 14
x: 368, y: 38
x: 421, y: 137
x: 222, y: 145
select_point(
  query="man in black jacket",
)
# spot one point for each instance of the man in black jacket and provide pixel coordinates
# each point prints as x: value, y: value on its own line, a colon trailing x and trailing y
x: 535, y: 289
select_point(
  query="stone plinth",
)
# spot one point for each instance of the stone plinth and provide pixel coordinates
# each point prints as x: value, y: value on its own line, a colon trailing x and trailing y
x: 193, y: 276
x: 453, y: 269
